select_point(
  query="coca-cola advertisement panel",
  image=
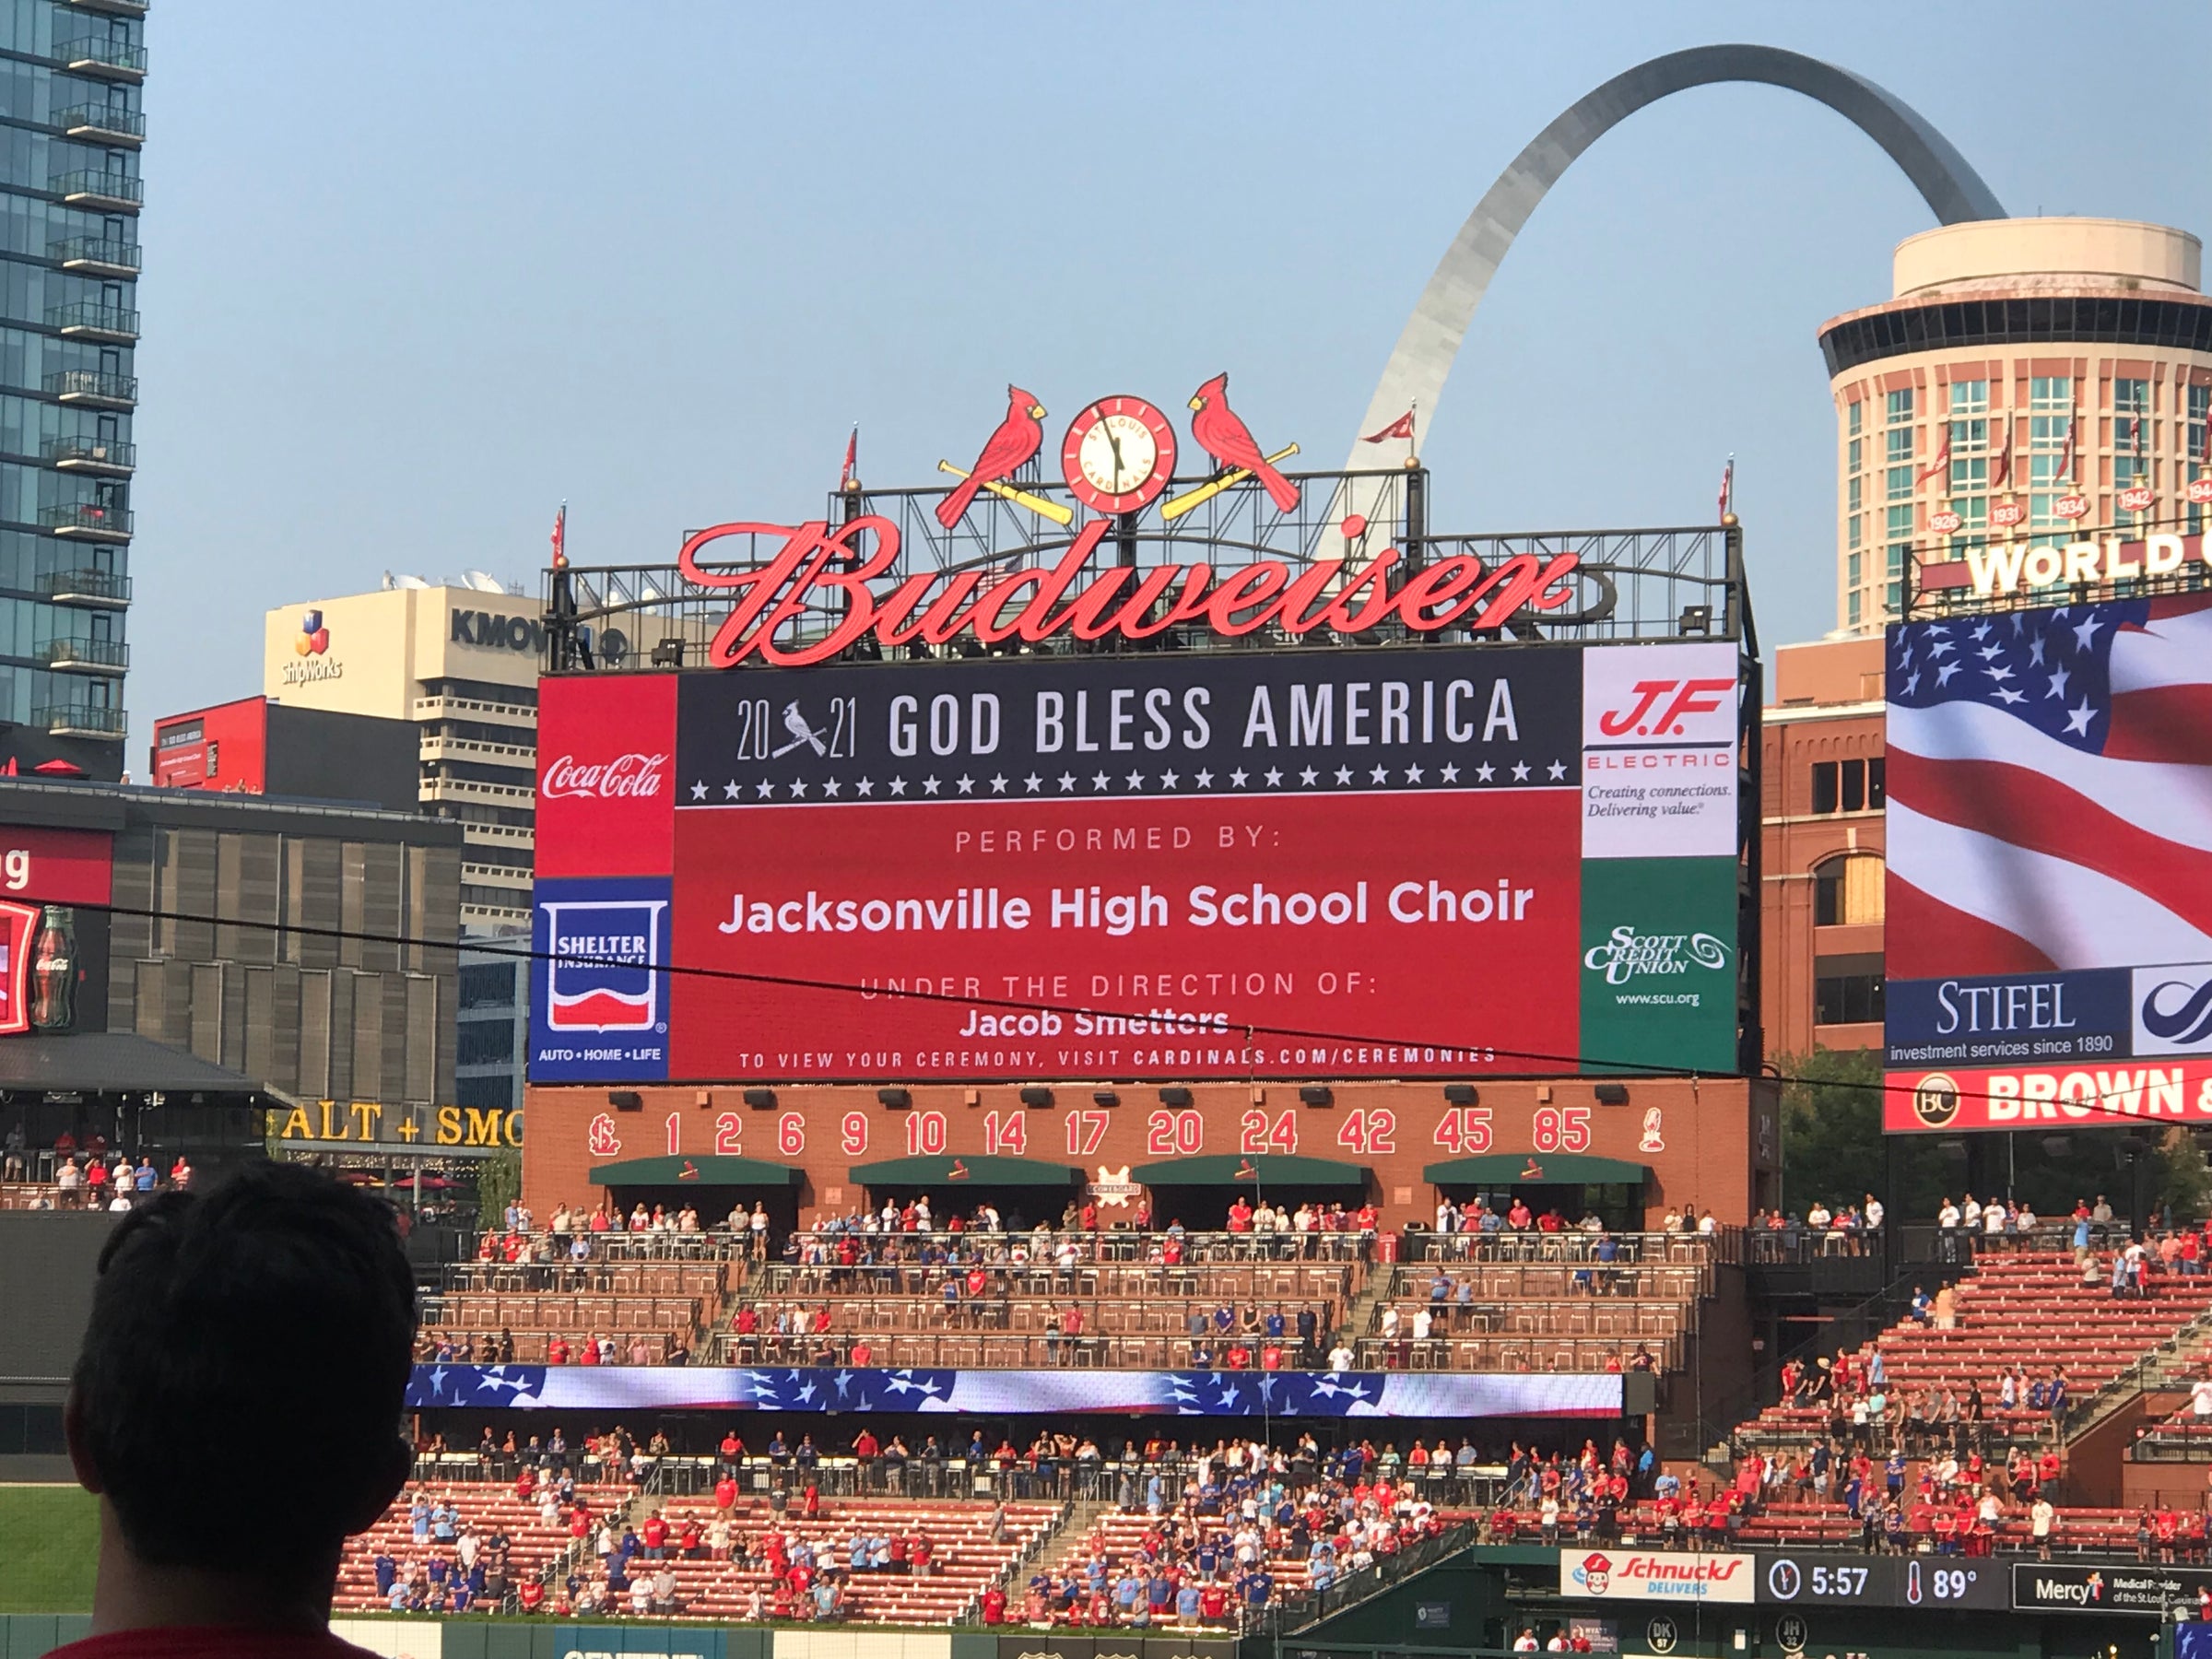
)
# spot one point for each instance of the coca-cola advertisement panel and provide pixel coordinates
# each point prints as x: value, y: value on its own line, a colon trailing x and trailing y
x: 604, y: 751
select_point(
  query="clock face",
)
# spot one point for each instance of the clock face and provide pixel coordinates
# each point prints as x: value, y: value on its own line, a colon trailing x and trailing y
x: 1119, y: 454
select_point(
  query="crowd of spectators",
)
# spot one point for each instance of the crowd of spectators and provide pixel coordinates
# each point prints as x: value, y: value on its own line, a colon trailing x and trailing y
x: 89, y: 1176
x: 448, y: 1564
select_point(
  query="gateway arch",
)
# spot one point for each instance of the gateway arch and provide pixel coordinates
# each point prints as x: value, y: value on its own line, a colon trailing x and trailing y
x: 1422, y: 357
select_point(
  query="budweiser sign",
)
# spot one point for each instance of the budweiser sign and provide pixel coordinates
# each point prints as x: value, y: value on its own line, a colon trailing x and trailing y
x: 831, y: 569
x: 634, y: 775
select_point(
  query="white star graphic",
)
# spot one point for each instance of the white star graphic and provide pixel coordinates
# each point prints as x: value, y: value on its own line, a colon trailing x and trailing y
x: 866, y: 786
x: 1273, y: 777
x: 1942, y: 648
x: 1558, y: 770
x: 1990, y: 653
x: 1032, y: 783
x: 730, y: 791
x: 798, y: 788
x: 1099, y: 780
x: 998, y: 783
x: 2085, y: 629
x: 2059, y: 677
x: 965, y: 784
x: 1913, y: 682
x: 1413, y: 774
x: 1380, y: 775
x: 1204, y: 780
x: 1521, y: 771
x: 1999, y: 674
x: 1308, y: 777
x: 1943, y: 674
x: 1136, y: 779
x: 1168, y: 780
x: 765, y: 789
x: 1484, y: 773
x: 2078, y: 720
x: 1236, y: 779
x: 1450, y: 774
x: 898, y: 786
x: 1067, y: 782
x: 1982, y: 631
x: 830, y: 788
x: 929, y: 785
x: 2006, y: 695
x: 699, y: 791
x: 1344, y: 774
x: 2035, y: 651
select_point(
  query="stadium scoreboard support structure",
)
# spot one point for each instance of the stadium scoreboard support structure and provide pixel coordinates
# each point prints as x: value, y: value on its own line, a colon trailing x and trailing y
x: 1131, y: 831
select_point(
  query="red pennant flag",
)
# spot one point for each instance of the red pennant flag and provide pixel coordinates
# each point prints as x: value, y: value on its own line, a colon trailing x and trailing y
x: 2002, y: 476
x: 845, y: 478
x: 561, y: 536
x: 1942, y: 459
x: 1400, y: 427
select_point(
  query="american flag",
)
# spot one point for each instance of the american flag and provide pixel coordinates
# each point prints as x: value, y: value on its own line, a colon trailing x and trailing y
x: 2050, y: 789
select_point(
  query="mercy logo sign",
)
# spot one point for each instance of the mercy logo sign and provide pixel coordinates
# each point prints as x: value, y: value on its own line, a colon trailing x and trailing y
x: 599, y: 988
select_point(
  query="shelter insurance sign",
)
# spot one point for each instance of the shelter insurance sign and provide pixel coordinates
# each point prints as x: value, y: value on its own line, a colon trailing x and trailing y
x: 1202, y: 865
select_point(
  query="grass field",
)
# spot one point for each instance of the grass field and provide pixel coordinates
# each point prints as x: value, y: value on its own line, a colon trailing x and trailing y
x: 49, y: 1544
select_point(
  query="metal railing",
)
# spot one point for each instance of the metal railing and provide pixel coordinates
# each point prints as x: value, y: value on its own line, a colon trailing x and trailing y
x: 80, y: 720
x: 100, y: 118
x: 101, y: 183
x: 91, y: 383
x: 90, y: 452
x: 88, y: 316
x: 88, y: 584
x: 108, y: 252
x: 91, y: 653
x: 99, y: 51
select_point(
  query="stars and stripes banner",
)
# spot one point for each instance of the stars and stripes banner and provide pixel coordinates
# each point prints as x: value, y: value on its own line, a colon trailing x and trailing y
x: 2049, y: 898
x: 1028, y: 1393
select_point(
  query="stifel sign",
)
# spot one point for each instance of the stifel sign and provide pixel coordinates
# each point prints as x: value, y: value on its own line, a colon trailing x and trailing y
x: 820, y: 563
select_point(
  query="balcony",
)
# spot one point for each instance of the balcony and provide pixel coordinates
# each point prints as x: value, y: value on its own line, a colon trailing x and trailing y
x: 101, y: 58
x: 83, y: 520
x: 89, y: 319
x: 102, y: 456
x: 74, y: 719
x: 86, y: 656
x: 99, y: 192
x: 90, y: 389
x: 437, y: 746
x: 97, y: 590
x: 502, y: 875
x: 101, y: 124
x: 97, y: 256
x: 475, y: 709
x: 113, y: 8
x: 470, y: 790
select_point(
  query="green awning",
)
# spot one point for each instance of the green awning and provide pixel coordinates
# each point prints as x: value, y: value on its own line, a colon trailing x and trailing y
x: 1269, y: 1169
x: 980, y: 1172
x: 695, y: 1172
x: 1524, y: 1168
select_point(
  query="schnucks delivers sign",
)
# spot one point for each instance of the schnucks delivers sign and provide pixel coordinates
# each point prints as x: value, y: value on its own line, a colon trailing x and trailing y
x: 1656, y: 1575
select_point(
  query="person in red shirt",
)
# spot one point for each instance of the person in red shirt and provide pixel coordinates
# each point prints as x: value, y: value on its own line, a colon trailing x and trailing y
x: 654, y: 1535
x: 587, y: 1352
x: 726, y: 1493
x: 692, y: 1545
x: 863, y: 1355
x: 557, y: 1350
x: 532, y: 1593
x: 525, y: 1484
x: 1213, y: 1604
x: 994, y: 1605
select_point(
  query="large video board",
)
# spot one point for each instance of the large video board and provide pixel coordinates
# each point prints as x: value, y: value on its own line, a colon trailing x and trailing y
x: 2048, y: 906
x: 1383, y: 863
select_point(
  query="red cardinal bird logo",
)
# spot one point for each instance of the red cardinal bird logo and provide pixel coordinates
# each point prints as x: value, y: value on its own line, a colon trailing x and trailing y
x: 1007, y: 451
x: 1224, y: 437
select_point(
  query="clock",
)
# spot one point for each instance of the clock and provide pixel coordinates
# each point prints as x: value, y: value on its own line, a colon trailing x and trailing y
x: 1119, y: 454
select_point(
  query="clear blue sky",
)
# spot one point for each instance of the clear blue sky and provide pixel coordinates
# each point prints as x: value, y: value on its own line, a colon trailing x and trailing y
x: 417, y: 272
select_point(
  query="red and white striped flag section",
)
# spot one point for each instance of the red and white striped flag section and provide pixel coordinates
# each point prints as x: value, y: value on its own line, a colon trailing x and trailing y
x: 2065, y: 455
x: 1727, y: 485
x: 2050, y: 790
x: 2001, y: 477
x: 561, y: 536
x: 1943, y: 458
x: 1400, y: 427
x: 844, y: 477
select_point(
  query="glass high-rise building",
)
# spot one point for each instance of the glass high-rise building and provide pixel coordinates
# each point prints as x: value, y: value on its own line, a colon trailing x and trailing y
x: 71, y: 75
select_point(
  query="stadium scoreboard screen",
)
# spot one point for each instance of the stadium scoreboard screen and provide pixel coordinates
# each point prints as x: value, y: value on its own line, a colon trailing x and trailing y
x: 2049, y: 893
x: 1443, y: 861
